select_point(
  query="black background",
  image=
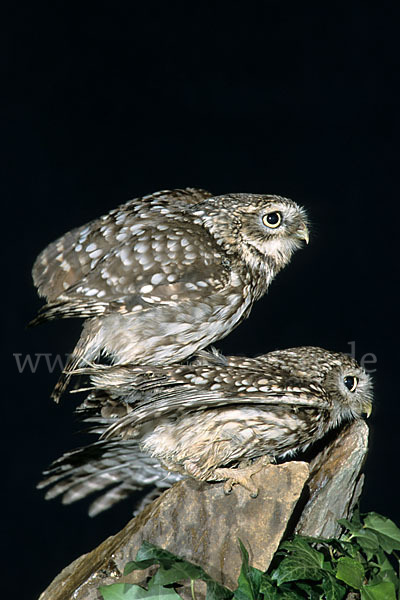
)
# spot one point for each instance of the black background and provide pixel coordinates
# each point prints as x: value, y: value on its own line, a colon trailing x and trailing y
x: 111, y: 100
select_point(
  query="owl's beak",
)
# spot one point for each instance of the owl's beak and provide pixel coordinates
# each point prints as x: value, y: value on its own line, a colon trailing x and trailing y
x: 367, y: 408
x: 303, y: 234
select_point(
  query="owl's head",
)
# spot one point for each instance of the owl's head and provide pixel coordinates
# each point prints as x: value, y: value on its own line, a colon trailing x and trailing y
x: 349, y: 388
x: 263, y: 230
x: 347, y: 385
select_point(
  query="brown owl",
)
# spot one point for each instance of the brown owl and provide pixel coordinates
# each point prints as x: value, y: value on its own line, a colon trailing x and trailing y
x: 208, y: 420
x: 163, y: 276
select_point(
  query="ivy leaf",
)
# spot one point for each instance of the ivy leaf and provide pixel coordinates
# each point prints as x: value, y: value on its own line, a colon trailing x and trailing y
x: 387, y: 532
x: 384, y: 571
x: 271, y: 592
x: 312, y: 592
x: 173, y: 569
x: 332, y: 588
x: 179, y: 571
x: 249, y: 581
x: 303, y: 562
x: 149, y: 554
x: 350, y: 571
x: 368, y: 542
x: 124, y: 591
x: 116, y: 591
x: 182, y: 569
x: 381, y: 591
x: 348, y: 525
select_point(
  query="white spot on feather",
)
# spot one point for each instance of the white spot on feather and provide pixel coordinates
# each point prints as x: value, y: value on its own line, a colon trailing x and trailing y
x: 157, y: 278
x: 125, y: 256
x: 96, y: 253
x: 65, y: 266
x: 141, y: 247
x: 146, y: 289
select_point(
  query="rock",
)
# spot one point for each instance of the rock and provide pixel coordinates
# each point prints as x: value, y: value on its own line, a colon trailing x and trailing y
x: 335, y: 482
x: 198, y: 522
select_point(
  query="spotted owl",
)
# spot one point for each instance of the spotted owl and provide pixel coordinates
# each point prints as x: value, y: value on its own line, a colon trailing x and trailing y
x: 163, y: 276
x: 208, y: 420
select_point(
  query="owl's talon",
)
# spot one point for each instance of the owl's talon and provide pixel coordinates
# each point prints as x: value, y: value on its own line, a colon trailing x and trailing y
x: 242, y: 476
x: 228, y: 487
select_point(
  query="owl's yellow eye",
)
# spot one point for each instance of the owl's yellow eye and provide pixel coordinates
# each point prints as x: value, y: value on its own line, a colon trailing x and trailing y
x: 272, y: 219
x: 351, y: 382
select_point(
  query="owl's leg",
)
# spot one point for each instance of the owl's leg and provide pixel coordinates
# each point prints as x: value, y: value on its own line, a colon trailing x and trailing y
x: 242, y: 475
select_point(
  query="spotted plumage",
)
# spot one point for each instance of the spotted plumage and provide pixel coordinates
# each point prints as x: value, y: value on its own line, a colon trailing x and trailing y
x: 204, y: 418
x: 163, y: 276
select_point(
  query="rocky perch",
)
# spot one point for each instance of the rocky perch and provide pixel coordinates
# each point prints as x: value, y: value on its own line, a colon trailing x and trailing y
x: 198, y: 522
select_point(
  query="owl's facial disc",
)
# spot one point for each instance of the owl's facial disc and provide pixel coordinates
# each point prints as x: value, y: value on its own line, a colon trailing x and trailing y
x: 291, y: 223
x: 357, y: 390
x: 279, y: 230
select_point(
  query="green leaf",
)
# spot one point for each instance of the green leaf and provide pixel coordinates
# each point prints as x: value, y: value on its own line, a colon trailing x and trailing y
x: 382, y: 570
x: 287, y: 594
x: 368, y: 542
x: 347, y: 548
x: 268, y: 587
x: 271, y: 592
x: 303, y: 562
x: 116, y: 591
x: 158, y: 591
x: 216, y: 591
x: 179, y: 571
x: 387, y: 532
x: 333, y: 590
x: 350, y: 571
x: 124, y: 591
x: 182, y: 570
x: 354, y: 525
x: 249, y: 581
x: 149, y: 554
x: 173, y: 569
x: 312, y: 592
x: 381, y: 591
x: 351, y: 527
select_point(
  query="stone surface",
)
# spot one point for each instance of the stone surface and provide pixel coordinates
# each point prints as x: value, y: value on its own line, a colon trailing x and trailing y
x: 335, y: 482
x: 198, y: 522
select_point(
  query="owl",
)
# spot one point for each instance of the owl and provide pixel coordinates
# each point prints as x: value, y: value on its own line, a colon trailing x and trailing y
x: 217, y: 419
x: 163, y: 276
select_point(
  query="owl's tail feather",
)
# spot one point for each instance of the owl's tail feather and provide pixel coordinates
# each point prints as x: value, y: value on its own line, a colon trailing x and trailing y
x: 115, y: 468
x: 85, y: 353
x: 65, y: 377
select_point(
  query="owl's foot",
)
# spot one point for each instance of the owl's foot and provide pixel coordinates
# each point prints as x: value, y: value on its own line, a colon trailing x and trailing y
x: 242, y: 476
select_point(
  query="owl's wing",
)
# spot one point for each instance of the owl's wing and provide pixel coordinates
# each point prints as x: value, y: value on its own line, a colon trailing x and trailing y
x: 61, y: 265
x: 175, y: 403
x: 147, y: 394
x: 132, y: 259
x: 116, y: 469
